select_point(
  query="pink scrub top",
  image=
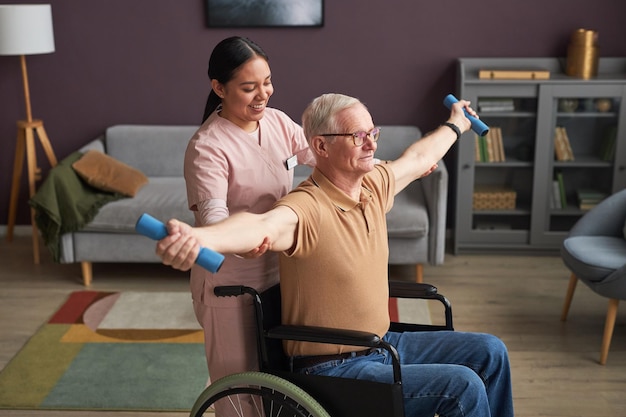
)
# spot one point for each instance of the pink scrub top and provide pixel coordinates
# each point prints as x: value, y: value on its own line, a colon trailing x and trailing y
x: 224, y: 162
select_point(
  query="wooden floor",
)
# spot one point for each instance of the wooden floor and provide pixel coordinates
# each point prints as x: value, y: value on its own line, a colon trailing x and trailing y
x: 518, y: 298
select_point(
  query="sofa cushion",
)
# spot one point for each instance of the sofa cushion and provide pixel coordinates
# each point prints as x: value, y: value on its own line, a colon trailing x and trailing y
x: 157, y: 151
x: 163, y: 198
x: 108, y: 174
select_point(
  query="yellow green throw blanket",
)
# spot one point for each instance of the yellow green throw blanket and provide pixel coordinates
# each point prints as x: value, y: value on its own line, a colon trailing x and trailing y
x: 65, y: 203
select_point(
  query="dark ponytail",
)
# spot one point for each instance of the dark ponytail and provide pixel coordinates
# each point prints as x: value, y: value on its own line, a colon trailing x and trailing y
x: 226, y: 58
x: 212, y: 102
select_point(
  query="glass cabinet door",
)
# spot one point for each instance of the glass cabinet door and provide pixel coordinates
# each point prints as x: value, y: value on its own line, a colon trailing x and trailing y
x: 498, y: 169
x: 580, y: 124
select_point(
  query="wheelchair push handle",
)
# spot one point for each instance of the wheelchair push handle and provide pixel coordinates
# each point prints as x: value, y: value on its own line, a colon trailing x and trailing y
x: 229, y: 290
x: 156, y: 230
x: 477, y: 125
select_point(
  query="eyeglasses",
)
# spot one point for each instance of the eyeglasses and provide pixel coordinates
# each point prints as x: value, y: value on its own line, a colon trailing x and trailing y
x: 359, y: 137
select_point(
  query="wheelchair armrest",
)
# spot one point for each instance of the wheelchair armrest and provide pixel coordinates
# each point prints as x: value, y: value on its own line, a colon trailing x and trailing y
x: 403, y: 289
x: 324, y: 335
x: 336, y: 337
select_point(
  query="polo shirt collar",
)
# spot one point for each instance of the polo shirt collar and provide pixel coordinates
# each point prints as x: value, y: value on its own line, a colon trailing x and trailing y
x: 340, y: 199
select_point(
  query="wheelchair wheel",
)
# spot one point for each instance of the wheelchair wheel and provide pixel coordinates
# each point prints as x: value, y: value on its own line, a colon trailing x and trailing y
x: 265, y: 395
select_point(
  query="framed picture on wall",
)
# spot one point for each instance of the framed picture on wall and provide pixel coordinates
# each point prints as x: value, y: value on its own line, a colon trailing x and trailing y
x: 264, y: 13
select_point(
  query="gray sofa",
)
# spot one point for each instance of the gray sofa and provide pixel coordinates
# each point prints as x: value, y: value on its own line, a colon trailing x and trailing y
x: 158, y: 152
x: 416, y: 223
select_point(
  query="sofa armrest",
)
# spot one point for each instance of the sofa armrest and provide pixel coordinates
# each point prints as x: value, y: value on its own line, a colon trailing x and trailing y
x: 95, y: 145
x: 435, y: 187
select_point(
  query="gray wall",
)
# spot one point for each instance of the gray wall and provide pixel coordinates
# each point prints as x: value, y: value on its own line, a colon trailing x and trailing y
x: 144, y: 61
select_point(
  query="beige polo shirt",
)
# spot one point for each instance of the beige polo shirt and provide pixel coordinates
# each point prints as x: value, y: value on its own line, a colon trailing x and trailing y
x: 336, y: 274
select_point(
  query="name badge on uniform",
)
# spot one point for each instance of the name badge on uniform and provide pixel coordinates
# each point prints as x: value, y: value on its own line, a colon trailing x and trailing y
x: 291, y: 162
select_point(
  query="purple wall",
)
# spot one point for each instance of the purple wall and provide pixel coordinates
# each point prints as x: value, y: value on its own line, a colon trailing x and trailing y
x: 144, y: 61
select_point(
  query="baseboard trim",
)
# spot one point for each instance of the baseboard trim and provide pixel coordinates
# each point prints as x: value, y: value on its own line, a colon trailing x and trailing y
x: 23, y: 230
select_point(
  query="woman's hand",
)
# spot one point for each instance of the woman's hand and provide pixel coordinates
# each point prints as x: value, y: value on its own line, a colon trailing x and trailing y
x: 430, y: 171
x: 257, y: 252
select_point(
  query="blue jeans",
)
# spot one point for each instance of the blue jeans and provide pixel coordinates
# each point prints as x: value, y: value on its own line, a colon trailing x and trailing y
x: 448, y: 373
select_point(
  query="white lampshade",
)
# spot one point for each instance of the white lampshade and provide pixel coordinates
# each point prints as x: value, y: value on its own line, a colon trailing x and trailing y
x: 26, y: 29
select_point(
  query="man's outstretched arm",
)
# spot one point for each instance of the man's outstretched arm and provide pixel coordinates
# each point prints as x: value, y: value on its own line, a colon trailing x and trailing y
x: 240, y: 233
x: 421, y: 157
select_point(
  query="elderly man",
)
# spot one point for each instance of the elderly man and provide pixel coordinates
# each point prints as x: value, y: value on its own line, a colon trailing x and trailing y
x: 332, y: 236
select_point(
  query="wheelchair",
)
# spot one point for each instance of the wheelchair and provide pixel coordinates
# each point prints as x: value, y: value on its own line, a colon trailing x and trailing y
x: 277, y: 391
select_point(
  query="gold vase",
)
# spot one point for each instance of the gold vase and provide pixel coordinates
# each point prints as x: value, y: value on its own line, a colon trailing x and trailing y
x: 583, y: 54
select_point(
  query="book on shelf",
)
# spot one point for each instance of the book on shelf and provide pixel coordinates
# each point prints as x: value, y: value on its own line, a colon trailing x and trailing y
x: 562, y: 147
x: 497, y: 145
x: 480, y: 151
x: 607, y: 150
x: 479, y: 148
x: 587, y: 206
x: 514, y: 74
x: 568, y: 144
x: 489, y: 148
x: 555, y: 196
x: 562, y: 193
x: 589, y: 198
x: 489, y: 145
x: 477, y: 151
x: 500, y: 142
x: 496, y: 104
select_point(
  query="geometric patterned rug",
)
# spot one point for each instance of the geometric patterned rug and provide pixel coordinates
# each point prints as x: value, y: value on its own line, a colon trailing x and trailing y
x: 136, y: 351
x: 111, y: 351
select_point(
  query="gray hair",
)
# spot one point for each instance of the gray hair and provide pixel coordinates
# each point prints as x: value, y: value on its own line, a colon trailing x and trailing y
x: 320, y: 116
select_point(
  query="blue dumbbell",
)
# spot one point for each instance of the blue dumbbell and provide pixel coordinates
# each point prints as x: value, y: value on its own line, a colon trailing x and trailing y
x: 155, y: 229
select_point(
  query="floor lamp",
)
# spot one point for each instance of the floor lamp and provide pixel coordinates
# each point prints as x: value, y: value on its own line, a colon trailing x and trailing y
x: 27, y: 30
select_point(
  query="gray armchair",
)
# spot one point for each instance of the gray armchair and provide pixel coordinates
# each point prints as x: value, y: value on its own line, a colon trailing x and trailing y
x: 595, y: 252
x: 416, y: 225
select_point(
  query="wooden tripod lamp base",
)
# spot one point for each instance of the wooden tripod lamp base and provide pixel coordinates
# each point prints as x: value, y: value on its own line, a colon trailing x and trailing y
x: 26, y: 29
x: 27, y: 131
